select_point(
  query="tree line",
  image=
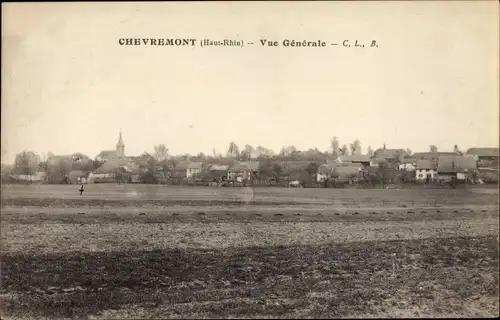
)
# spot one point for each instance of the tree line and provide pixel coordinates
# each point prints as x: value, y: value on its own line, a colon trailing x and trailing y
x: 57, y: 168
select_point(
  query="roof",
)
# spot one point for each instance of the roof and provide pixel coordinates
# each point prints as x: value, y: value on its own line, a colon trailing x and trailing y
x: 325, y: 168
x: 426, y: 164
x: 131, y: 168
x: 345, y: 172
x: 108, y: 154
x: 289, y: 167
x: 108, y: 167
x: 388, y: 153
x: 378, y: 160
x: 181, y: 165
x: 409, y: 160
x: 432, y: 155
x: 483, y: 152
x: 249, y: 165
x: 194, y: 165
x: 340, y: 169
x: 488, y: 169
x: 457, y: 163
x: 355, y: 158
x: 331, y: 161
x: 77, y: 173
x: 219, y: 167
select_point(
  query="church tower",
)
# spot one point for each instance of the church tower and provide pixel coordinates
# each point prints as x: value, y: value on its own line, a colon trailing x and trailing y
x: 120, y: 147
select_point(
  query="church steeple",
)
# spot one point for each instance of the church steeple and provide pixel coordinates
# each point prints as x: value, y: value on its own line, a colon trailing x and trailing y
x: 120, y: 146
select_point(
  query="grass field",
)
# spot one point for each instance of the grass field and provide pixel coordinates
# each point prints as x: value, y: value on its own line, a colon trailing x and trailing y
x: 140, y: 251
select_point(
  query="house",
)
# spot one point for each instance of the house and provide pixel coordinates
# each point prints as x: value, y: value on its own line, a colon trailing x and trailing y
x: 360, y: 159
x: 217, y: 171
x: 324, y: 172
x: 343, y: 172
x: 455, y: 167
x: 243, y: 170
x: 376, y: 162
x: 105, y: 173
x: 131, y: 173
x: 488, y: 175
x: 426, y: 170
x: 484, y: 153
x: 347, y: 173
x: 433, y: 156
x: 193, y: 169
x: 178, y: 170
x: 109, y: 155
x: 486, y: 157
x: 22, y: 175
x: 407, y: 164
x: 78, y: 177
x: 295, y: 170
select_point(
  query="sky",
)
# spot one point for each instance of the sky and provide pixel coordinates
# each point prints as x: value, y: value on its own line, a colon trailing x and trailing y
x: 68, y: 86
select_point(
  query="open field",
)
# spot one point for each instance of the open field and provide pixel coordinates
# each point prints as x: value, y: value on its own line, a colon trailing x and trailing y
x: 136, y: 251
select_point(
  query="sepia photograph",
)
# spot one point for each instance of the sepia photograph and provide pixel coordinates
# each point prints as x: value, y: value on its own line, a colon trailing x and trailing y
x: 246, y: 160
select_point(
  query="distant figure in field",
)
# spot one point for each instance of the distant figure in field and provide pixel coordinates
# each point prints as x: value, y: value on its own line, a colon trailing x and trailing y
x: 81, y: 190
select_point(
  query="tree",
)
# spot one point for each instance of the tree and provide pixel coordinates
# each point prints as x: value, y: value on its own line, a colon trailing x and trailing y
x: 265, y: 152
x: 344, y: 151
x: 383, y: 173
x: 433, y: 148
x: 161, y: 152
x: 408, y: 152
x: 148, y: 168
x: 201, y: 156
x: 59, y: 169
x: 80, y: 161
x: 233, y: 150
x: 400, y: 155
x: 334, y: 143
x: 312, y: 169
x: 355, y: 147
x: 289, y: 152
x: 456, y: 150
x: 334, y: 175
x: 266, y: 169
x: 247, y: 152
x: 277, y: 171
x: 43, y: 166
x: 369, y: 151
x: 27, y: 162
x: 96, y: 164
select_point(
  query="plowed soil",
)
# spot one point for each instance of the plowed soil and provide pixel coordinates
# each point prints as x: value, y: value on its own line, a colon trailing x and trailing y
x: 161, y: 252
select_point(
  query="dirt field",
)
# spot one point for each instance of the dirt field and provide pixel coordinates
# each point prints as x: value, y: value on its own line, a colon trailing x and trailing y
x: 134, y: 251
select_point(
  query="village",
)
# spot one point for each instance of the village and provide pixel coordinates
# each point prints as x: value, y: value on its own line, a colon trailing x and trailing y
x: 342, y: 167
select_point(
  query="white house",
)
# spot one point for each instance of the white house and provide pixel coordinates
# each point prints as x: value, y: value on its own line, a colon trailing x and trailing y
x: 408, y: 164
x: 193, y: 169
x: 35, y: 177
x: 426, y: 170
